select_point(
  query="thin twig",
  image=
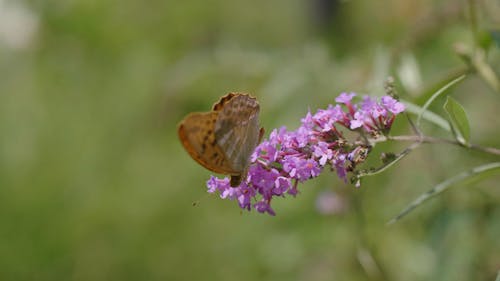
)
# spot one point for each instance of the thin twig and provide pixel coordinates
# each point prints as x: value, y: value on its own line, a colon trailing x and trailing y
x: 387, y: 165
x: 414, y: 127
x: 436, y: 94
x: 426, y: 139
x: 443, y: 186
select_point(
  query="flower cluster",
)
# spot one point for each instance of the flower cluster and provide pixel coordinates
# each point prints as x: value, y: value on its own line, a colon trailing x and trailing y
x: 289, y: 157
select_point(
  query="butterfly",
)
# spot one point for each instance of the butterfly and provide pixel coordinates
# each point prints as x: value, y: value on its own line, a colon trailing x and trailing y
x: 223, y: 139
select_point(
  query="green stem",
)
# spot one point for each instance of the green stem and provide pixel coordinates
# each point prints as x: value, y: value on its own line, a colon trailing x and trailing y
x: 443, y: 186
x: 473, y: 21
x: 426, y: 139
x: 417, y: 141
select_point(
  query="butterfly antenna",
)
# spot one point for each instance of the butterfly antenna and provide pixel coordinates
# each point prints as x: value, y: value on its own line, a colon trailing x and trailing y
x: 197, y: 202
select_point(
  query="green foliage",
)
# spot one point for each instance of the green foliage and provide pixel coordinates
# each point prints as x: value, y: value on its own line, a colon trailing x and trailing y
x: 436, y: 94
x: 459, y: 122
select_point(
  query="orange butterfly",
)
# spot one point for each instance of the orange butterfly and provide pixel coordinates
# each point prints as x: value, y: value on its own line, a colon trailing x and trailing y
x: 223, y: 139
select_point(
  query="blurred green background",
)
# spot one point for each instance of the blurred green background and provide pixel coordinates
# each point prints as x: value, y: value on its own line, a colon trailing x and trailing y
x: 94, y: 184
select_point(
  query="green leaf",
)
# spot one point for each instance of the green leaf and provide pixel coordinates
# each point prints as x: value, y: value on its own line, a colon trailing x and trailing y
x: 477, y: 173
x: 437, y: 94
x: 458, y: 120
x: 485, y: 39
x: 427, y: 115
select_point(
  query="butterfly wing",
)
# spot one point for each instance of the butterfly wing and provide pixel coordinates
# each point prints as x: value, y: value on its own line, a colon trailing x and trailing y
x: 196, y: 133
x: 237, y: 129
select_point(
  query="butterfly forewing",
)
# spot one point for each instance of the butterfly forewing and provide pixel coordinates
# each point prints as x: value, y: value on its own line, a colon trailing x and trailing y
x: 237, y: 129
x: 196, y: 132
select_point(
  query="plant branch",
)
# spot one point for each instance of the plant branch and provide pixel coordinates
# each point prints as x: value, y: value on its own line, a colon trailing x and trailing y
x: 445, y: 185
x: 426, y: 139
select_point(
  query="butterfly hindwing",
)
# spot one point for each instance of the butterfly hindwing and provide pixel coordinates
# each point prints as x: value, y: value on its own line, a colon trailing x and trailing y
x: 196, y: 133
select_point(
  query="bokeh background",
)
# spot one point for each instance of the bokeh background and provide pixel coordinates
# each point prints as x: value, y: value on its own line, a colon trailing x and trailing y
x: 94, y: 184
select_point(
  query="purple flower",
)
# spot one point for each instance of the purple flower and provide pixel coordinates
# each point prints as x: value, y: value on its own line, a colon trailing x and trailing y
x: 301, y: 169
x: 245, y: 196
x: 358, y: 121
x: 281, y: 185
x: 264, y: 207
x: 311, y: 169
x: 265, y: 151
x: 263, y: 180
x: 322, y: 151
x: 324, y: 119
x: 215, y: 184
x: 230, y: 193
x: 293, y: 191
x: 345, y: 98
x: 339, y: 163
x: 302, y: 137
x: 278, y: 136
x: 392, y: 105
x: 368, y: 103
x: 377, y: 111
x: 308, y: 121
x: 289, y: 157
x: 290, y: 164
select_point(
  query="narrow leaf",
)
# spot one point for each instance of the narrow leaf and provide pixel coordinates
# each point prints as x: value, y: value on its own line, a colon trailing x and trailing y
x: 458, y: 120
x: 437, y: 94
x: 428, y: 115
x: 479, y: 172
